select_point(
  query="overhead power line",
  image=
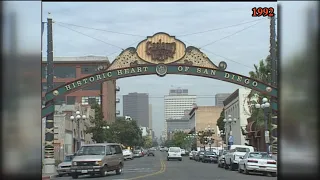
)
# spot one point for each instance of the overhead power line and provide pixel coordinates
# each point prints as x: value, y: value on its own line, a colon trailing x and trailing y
x: 210, y: 30
x: 128, y: 34
x: 231, y: 34
x: 90, y: 36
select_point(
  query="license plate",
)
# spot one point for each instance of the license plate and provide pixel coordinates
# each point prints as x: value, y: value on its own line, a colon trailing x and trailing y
x: 84, y: 171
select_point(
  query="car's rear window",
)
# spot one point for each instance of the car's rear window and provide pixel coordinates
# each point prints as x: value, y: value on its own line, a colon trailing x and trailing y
x: 174, y: 150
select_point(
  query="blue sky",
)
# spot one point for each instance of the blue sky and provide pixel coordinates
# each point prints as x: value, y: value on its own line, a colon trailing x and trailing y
x: 240, y: 50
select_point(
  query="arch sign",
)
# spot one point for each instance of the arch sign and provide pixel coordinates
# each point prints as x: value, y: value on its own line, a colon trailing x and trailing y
x: 161, y: 54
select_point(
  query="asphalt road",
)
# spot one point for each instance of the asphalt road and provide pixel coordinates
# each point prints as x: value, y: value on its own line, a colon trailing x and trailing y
x: 158, y: 168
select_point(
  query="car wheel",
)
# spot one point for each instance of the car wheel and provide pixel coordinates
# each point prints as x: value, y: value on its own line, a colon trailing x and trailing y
x: 119, y: 170
x: 103, y: 171
x: 74, y: 176
x: 274, y: 174
x: 180, y: 159
x: 219, y: 165
x: 60, y: 175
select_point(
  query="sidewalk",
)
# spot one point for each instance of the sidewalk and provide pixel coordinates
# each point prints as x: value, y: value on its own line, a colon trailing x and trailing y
x: 48, y: 176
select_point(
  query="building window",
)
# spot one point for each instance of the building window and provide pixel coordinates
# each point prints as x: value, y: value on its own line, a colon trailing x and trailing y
x: 89, y: 69
x: 90, y: 100
x: 60, y: 100
x: 65, y: 71
x: 96, y: 86
x: 71, y: 100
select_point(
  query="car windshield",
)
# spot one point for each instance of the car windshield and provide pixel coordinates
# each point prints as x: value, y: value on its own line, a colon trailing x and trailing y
x: 241, y: 149
x: 174, y: 150
x: 210, y: 153
x: 259, y: 155
x: 68, y: 158
x: 92, y: 150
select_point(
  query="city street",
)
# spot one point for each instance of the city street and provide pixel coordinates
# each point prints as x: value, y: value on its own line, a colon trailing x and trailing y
x: 158, y: 168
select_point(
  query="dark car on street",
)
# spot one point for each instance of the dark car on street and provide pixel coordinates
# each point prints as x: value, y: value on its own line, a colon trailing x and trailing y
x: 199, y: 156
x: 210, y: 156
x: 151, y: 152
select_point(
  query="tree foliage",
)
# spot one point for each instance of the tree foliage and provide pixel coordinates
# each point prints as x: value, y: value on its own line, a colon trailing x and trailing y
x: 179, y: 138
x: 220, y: 122
x: 126, y: 132
x: 147, y: 142
x: 121, y: 131
x: 97, y: 123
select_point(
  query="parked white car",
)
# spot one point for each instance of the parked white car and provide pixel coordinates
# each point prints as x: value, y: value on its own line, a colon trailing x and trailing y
x: 260, y: 162
x: 233, y: 157
x: 127, y: 154
x: 174, y: 153
x: 183, y: 152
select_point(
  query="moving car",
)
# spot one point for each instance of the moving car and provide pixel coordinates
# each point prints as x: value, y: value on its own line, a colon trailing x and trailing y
x: 183, y: 152
x: 258, y: 162
x: 127, y: 154
x: 233, y: 157
x: 221, y: 158
x: 210, y: 156
x: 137, y: 153
x: 64, y: 167
x: 174, y: 153
x: 192, y: 154
x: 97, y: 158
x: 162, y: 148
x: 150, y: 152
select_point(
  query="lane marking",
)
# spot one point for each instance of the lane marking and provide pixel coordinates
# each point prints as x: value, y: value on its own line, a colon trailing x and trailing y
x: 162, y: 170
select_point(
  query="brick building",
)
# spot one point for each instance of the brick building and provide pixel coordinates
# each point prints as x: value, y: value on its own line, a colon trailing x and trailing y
x: 68, y: 69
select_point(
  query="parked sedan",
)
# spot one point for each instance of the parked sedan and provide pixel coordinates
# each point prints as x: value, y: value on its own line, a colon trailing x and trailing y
x: 64, y: 167
x: 137, y: 153
x: 199, y: 156
x: 151, y: 152
x: 192, y: 154
x: 221, y: 160
x: 210, y: 156
x: 127, y: 154
x: 258, y: 162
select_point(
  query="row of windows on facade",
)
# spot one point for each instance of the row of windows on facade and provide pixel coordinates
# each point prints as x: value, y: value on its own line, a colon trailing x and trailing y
x: 232, y: 110
x: 69, y: 71
x: 71, y: 100
x: 96, y: 86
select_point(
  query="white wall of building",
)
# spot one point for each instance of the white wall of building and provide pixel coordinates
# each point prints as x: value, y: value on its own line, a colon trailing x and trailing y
x: 144, y: 131
x: 175, y: 106
x: 237, y: 108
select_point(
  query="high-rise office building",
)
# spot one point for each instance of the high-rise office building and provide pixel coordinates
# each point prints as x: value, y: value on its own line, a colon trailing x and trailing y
x: 220, y: 97
x: 176, y: 103
x: 150, y: 116
x: 136, y: 105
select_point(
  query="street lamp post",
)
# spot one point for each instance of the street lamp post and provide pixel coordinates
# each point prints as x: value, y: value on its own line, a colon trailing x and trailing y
x: 78, y: 117
x: 209, y: 132
x: 265, y: 107
x: 230, y: 137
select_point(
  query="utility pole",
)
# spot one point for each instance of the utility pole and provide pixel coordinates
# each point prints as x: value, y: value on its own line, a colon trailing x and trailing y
x: 274, y: 73
x: 49, y: 161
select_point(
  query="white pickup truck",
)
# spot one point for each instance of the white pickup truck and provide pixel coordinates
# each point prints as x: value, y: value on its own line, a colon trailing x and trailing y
x: 233, y: 157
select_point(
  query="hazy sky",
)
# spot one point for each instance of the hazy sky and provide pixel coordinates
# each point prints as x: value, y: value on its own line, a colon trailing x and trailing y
x: 126, y: 24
